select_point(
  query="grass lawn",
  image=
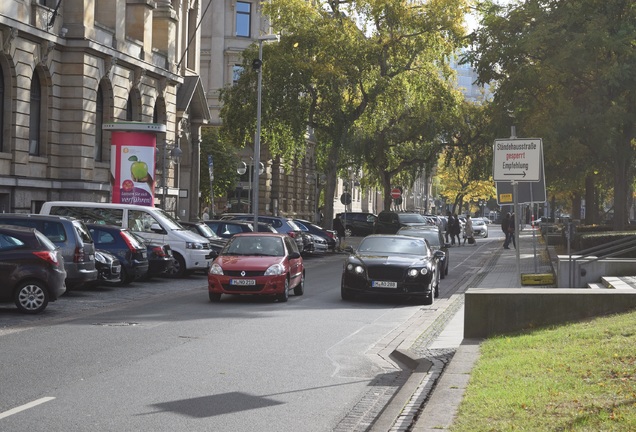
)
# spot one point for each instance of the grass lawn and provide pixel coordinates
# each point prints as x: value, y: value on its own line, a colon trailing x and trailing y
x: 575, y: 377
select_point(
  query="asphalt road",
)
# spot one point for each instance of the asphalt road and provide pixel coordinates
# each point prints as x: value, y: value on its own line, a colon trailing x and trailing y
x: 158, y: 356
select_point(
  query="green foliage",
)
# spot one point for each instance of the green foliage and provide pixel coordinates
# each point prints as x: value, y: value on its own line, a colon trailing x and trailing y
x: 576, y: 377
x: 561, y: 69
x: 226, y: 159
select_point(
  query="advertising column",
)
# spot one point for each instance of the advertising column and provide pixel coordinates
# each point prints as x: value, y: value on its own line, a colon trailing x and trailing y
x: 132, y: 161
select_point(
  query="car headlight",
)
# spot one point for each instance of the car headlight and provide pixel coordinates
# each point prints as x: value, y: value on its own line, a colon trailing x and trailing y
x: 414, y: 272
x: 357, y: 269
x: 216, y: 269
x: 275, y: 270
x: 195, y: 245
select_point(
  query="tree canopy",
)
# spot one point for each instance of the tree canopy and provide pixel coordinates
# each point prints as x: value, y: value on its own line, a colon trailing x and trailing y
x: 336, y: 60
x: 564, y: 70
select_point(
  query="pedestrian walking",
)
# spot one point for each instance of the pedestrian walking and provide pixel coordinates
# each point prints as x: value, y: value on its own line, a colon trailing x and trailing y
x: 206, y: 214
x: 338, y: 227
x: 449, y: 228
x: 508, y: 228
x: 468, y: 231
x: 457, y: 229
x: 511, y: 231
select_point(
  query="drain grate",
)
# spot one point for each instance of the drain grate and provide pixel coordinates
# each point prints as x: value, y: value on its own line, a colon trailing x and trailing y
x: 116, y: 324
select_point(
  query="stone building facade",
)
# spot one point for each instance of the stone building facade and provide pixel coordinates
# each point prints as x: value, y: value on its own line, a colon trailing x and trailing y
x: 69, y: 67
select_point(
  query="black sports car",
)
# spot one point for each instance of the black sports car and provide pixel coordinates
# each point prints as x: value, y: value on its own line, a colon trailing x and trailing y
x: 392, y: 265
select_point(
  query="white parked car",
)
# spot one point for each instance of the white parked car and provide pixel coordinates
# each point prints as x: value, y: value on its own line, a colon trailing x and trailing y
x: 480, y: 228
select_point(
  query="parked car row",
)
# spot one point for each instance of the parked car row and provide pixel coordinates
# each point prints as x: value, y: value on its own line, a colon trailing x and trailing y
x: 309, y: 237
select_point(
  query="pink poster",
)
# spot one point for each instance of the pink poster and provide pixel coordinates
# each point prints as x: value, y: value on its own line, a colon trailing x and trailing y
x: 133, y: 162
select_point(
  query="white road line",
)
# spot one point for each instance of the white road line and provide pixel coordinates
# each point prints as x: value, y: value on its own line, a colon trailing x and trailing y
x: 25, y: 407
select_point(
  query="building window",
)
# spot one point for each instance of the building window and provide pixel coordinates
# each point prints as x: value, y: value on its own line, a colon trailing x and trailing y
x: 99, y: 122
x: 129, y: 109
x: 243, y: 18
x: 236, y: 73
x: 35, y: 115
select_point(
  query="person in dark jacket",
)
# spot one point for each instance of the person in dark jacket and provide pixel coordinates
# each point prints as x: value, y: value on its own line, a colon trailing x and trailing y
x: 457, y: 230
x: 508, y: 227
x: 338, y: 227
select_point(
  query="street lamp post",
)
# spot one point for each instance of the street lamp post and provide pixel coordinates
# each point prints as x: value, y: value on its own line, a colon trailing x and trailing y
x: 257, y: 65
x: 175, y: 154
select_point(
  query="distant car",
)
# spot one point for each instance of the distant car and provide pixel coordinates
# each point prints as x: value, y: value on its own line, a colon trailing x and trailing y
x: 204, y: 230
x: 393, y: 265
x: 70, y: 235
x: 480, y: 228
x: 436, y: 241
x: 389, y: 222
x: 330, y: 236
x: 226, y: 228
x: 108, y: 268
x: 31, y: 269
x: 283, y: 225
x: 132, y: 253
x: 259, y: 264
x: 357, y: 223
x: 160, y: 259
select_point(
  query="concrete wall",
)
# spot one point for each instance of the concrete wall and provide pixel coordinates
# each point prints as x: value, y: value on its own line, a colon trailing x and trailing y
x: 592, y: 272
x: 498, y: 311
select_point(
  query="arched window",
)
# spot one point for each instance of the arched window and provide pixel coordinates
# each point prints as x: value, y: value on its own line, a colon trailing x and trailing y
x: 35, y: 115
x: 99, y: 122
x: 129, y: 109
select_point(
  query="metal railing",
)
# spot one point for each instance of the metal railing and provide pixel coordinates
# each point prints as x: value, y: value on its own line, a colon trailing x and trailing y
x: 596, y: 253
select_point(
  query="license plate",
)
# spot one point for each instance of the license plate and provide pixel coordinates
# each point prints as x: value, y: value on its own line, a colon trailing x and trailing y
x: 383, y: 284
x: 242, y: 282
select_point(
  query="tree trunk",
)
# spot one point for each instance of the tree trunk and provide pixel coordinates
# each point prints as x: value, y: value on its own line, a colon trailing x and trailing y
x: 330, y: 186
x: 623, y: 175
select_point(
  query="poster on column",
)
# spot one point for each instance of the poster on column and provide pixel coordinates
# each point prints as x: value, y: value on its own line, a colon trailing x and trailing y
x: 133, y: 162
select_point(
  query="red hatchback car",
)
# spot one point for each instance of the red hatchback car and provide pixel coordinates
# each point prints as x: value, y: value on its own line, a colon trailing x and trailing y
x: 257, y: 263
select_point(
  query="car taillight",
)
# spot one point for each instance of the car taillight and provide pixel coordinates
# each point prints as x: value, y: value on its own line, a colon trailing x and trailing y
x: 292, y: 234
x: 79, y: 255
x: 128, y: 241
x: 47, y: 256
x: 158, y: 250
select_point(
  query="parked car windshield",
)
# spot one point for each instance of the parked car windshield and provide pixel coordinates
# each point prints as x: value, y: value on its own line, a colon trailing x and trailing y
x: 411, y: 218
x: 431, y: 235
x: 253, y: 245
x: 207, y: 231
x: 392, y: 245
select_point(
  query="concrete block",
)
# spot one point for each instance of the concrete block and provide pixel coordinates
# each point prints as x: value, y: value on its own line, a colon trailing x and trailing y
x: 498, y: 311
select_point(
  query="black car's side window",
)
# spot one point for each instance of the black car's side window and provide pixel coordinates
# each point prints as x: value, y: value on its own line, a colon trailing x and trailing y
x: 8, y: 242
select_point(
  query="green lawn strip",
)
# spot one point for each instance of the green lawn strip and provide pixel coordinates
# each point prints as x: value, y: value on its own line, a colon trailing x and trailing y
x: 573, y: 377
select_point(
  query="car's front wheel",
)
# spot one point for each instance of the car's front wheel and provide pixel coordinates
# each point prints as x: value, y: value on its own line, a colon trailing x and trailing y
x: 284, y: 296
x: 31, y: 297
x: 346, y: 294
x: 429, y: 298
x: 300, y: 288
x: 178, y: 270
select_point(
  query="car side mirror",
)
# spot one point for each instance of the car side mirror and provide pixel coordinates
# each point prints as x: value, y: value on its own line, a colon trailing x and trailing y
x: 294, y: 255
x: 439, y: 254
x: 348, y: 249
x: 155, y: 227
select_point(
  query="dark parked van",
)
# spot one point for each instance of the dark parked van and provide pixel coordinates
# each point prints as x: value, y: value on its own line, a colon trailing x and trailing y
x: 70, y: 235
x: 357, y: 223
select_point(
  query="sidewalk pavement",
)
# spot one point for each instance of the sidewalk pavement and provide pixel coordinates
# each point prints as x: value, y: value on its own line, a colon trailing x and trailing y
x: 430, y: 399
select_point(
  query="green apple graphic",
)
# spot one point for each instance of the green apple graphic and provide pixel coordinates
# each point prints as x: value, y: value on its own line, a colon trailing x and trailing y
x: 138, y: 169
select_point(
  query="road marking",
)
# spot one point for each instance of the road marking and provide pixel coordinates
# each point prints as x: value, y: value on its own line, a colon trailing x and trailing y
x: 25, y: 407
